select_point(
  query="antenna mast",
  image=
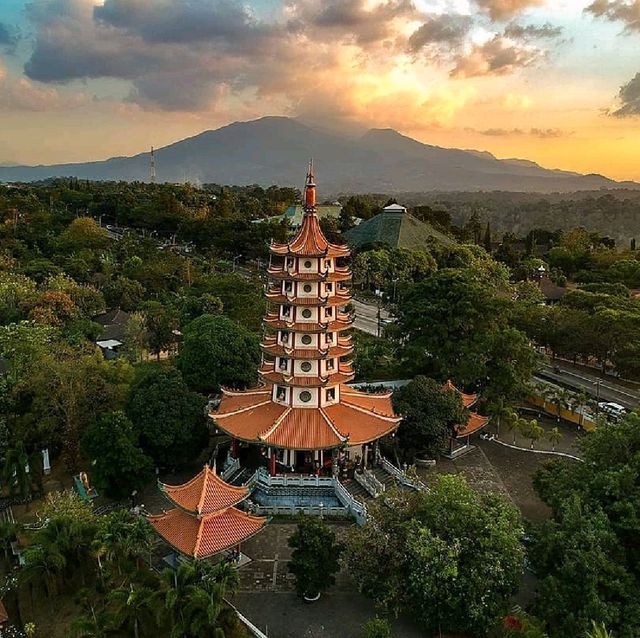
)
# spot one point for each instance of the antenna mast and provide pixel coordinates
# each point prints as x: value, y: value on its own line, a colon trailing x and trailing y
x: 153, y: 167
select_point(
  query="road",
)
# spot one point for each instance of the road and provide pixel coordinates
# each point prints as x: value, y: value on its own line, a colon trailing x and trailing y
x: 366, y: 318
x: 578, y: 379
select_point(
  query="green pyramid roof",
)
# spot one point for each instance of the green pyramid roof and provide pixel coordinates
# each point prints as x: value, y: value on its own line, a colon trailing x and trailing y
x: 396, y: 228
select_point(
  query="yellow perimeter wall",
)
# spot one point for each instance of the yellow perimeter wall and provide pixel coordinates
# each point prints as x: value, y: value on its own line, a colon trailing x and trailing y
x: 567, y: 415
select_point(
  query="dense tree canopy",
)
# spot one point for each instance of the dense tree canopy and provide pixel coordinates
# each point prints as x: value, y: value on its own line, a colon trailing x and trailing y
x: 450, y: 557
x: 429, y: 414
x: 587, y: 556
x: 168, y: 417
x: 217, y: 352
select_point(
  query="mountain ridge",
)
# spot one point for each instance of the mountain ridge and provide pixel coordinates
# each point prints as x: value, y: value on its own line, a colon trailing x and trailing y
x: 274, y: 150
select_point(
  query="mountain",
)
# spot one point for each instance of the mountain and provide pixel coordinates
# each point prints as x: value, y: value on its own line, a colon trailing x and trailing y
x: 275, y: 150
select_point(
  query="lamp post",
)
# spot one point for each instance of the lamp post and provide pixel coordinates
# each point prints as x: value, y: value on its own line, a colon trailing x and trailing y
x: 379, y: 294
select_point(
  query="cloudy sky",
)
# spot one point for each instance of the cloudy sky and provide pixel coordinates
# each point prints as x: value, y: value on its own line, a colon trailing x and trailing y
x: 556, y: 81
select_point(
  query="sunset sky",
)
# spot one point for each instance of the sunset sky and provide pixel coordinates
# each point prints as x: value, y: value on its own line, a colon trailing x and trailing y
x: 557, y: 82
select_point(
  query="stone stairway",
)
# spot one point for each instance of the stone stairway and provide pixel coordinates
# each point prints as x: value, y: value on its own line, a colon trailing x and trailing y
x: 388, y: 480
x: 356, y: 490
x: 240, y: 477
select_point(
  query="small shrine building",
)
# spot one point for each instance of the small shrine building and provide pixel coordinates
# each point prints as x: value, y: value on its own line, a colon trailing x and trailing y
x: 303, y: 412
x: 463, y: 431
x: 205, y: 521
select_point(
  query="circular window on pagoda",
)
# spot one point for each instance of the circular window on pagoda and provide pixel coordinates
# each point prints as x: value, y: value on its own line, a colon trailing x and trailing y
x: 305, y: 396
x: 305, y: 366
x: 307, y: 264
x: 306, y: 313
x: 306, y: 339
x: 307, y: 288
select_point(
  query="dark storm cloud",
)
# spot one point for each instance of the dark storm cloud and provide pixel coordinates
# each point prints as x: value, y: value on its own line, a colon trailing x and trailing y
x: 181, y: 22
x: 443, y: 28
x: 618, y: 11
x: 349, y: 19
x: 629, y: 97
x: 8, y: 37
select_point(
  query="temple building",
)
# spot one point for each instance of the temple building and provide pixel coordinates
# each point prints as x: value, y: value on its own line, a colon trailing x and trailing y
x: 303, y: 413
x: 463, y: 431
x: 205, y: 521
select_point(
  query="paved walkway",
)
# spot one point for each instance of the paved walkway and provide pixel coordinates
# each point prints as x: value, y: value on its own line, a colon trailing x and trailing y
x: 268, y: 600
x: 335, y: 615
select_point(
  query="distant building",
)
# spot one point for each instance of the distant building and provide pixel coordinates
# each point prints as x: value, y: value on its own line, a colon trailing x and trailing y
x: 551, y: 291
x: 397, y: 228
x: 114, y: 325
x: 295, y: 214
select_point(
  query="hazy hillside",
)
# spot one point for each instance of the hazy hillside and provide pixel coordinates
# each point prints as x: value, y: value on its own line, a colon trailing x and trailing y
x: 274, y: 150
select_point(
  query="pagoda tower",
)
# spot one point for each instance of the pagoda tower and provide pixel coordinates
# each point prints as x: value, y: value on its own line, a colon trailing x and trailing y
x: 205, y: 520
x: 302, y: 412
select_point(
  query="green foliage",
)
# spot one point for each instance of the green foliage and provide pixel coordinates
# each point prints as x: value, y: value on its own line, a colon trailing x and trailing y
x: 586, y: 556
x: 376, y: 628
x: 450, y: 557
x: 120, y: 465
x: 216, y: 351
x: 456, y: 326
x: 180, y: 433
x: 429, y: 414
x: 314, y: 560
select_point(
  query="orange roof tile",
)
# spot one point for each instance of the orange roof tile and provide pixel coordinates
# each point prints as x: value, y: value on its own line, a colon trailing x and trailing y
x: 303, y: 429
x: 467, y: 399
x: 339, y: 274
x: 310, y: 241
x: 205, y: 536
x: 359, y: 425
x: 376, y: 403
x: 234, y: 401
x: 205, y: 493
x: 343, y: 322
x: 340, y: 299
x: 248, y: 424
x: 272, y: 347
x: 475, y: 423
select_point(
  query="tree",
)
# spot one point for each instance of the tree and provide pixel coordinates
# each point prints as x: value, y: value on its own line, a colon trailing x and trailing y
x: 598, y: 630
x: 181, y: 434
x: 429, y: 414
x: 161, y: 327
x: 587, y: 557
x: 314, y: 560
x: 135, y: 608
x: 451, y: 557
x: 501, y: 412
x: 554, y: 436
x: 215, y: 352
x: 83, y: 233
x: 376, y: 628
x: 455, y: 325
x: 532, y: 430
x: 120, y: 465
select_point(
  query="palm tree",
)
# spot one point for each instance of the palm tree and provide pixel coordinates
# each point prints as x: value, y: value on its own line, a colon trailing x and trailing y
x: 561, y: 400
x: 598, y: 630
x: 135, y: 608
x: 555, y: 436
x: 16, y: 472
x: 533, y: 431
x: 501, y: 411
x: 43, y: 562
x: 95, y: 624
x: 7, y: 536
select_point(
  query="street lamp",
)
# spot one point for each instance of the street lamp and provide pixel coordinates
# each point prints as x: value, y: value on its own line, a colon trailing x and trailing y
x: 234, y: 261
x: 379, y: 294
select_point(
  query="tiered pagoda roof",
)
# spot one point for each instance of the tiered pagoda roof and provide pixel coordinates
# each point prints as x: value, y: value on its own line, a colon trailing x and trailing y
x: 303, y: 402
x: 357, y: 419
x: 475, y: 422
x: 205, y: 521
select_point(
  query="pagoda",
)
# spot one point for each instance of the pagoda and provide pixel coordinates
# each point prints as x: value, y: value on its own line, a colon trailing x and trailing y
x: 205, y: 521
x: 303, y: 412
x: 475, y: 422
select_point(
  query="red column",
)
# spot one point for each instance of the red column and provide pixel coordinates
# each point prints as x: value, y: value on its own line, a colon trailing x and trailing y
x: 272, y: 464
x: 234, y: 448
